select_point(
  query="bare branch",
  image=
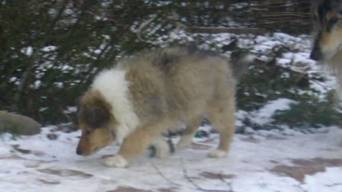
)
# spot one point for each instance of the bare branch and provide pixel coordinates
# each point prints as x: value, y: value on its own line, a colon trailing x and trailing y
x: 143, y: 26
x: 213, y: 30
x: 163, y: 176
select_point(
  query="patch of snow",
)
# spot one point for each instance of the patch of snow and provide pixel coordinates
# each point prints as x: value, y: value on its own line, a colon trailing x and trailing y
x: 13, y: 79
x: 264, y: 115
x: 49, y: 48
x: 27, y: 51
x: 331, y: 178
x: 37, y: 84
x: 70, y: 109
x: 59, y: 84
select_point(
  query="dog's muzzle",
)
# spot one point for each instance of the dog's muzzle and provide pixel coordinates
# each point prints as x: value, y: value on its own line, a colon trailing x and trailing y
x: 79, y: 151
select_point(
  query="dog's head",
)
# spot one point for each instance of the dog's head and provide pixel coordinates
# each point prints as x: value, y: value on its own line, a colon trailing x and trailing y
x: 328, y: 20
x: 96, y: 123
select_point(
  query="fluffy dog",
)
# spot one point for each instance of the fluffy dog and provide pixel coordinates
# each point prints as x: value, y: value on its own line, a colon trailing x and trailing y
x: 146, y: 95
x: 327, y: 46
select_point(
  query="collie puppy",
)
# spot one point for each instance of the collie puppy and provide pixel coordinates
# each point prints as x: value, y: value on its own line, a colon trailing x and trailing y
x: 146, y: 95
x: 327, y: 47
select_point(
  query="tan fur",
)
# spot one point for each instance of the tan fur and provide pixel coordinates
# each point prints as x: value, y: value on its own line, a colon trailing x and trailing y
x: 335, y: 67
x: 328, y: 41
x: 175, y: 85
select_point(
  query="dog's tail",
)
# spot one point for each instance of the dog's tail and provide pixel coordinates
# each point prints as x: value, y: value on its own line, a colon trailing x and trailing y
x: 240, y: 60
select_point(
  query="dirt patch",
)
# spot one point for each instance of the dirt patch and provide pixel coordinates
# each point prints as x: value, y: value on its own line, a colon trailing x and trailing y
x: 20, y: 150
x: 250, y: 140
x: 303, y: 167
x: 49, y: 182
x: 52, y: 136
x: 66, y: 173
x: 17, y: 148
x: 172, y: 189
x: 198, y: 146
x: 10, y: 156
x: 128, y: 189
x: 220, y: 176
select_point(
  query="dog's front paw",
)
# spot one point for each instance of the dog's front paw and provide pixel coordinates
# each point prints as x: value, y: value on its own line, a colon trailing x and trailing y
x: 161, y: 148
x: 115, y: 161
x: 217, y: 153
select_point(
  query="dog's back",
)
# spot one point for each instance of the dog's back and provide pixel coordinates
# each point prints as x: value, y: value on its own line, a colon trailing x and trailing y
x: 182, y: 84
x: 186, y: 79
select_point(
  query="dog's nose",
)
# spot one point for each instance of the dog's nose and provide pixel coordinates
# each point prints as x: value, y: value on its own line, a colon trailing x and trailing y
x: 315, y: 54
x: 79, y: 151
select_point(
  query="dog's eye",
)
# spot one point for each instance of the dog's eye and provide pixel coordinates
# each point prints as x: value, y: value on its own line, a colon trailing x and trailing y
x: 87, y: 131
x: 339, y: 14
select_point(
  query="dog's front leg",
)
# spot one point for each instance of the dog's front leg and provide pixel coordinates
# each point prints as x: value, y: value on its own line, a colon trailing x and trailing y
x: 135, y: 144
x: 115, y: 161
x: 132, y: 146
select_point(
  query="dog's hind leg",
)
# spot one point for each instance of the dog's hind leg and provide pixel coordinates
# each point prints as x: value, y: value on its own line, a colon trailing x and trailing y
x: 162, y: 148
x: 188, y: 133
x: 222, y: 118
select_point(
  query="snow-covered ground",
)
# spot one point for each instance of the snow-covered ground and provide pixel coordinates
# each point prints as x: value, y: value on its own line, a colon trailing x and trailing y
x: 261, y: 161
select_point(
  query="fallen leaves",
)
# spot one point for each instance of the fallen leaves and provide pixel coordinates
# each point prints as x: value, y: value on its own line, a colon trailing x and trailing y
x: 303, y: 167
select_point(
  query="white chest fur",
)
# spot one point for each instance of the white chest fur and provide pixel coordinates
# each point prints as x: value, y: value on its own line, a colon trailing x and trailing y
x: 115, y: 88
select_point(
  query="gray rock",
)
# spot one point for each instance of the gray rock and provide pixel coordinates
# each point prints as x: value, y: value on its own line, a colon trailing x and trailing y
x: 18, y: 124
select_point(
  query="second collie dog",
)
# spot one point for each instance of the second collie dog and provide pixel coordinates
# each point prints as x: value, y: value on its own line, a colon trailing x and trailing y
x: 327, y: 47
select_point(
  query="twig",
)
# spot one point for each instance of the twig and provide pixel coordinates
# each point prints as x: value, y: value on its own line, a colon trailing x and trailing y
x: 162, y: 175
x: 229, y: 184
x: 334, y: 184
x: 196, y: 186
x: 189, y: 179
x: 143, y: 26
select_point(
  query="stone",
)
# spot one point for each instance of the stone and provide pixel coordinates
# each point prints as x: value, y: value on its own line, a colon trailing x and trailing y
x: 18, y: 124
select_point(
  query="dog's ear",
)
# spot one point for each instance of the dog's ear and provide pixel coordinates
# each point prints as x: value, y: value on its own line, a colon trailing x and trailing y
x: 323, y: 7
x: 95, y: 116
x: 78, y: 103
